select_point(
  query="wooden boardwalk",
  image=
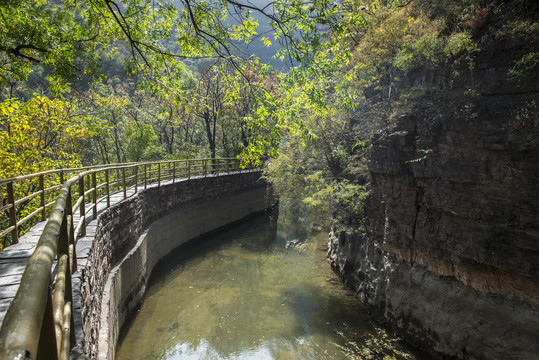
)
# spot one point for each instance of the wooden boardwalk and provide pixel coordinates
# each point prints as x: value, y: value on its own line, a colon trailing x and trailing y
x: 14, y: 258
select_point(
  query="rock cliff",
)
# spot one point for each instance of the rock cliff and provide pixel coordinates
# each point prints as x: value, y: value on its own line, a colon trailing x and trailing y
x: 448, y: 255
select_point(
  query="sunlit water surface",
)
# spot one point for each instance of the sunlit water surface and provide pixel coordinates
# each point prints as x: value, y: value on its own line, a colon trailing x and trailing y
x: 253, y: 292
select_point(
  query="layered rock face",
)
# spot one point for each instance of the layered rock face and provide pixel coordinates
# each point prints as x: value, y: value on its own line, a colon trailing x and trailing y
x: 449, y: 253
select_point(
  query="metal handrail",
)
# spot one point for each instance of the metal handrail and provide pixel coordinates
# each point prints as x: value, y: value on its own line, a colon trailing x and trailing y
x: 155, y: 171
x: 39, y: 323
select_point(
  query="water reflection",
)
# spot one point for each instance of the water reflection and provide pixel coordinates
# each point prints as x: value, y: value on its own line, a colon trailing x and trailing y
x: 248, y: 294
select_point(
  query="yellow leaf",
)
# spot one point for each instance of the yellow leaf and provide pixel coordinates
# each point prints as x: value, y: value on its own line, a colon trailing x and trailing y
x: 266, y: 41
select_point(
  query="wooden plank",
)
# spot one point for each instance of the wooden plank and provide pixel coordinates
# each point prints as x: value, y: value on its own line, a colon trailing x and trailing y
x: 21, y: 250
x: 83, y: 249
x: 9, y: 291
x: 13, y: 266
x: 4, y: 305
x: 8, y: 280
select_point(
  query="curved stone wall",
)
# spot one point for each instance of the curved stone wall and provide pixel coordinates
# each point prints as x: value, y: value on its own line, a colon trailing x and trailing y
x: 135, y: 234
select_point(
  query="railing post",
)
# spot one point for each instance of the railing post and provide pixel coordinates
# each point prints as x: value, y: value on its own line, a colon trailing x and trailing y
x: 107, y: 187
x: 63, y: 293
x: 173, y: 172
x: 228, y: 166
x: 62, y: 180
x: 145, y: 176
x: 82, y: 209
x: 135, y: 174
x: 205, y: 167
x: 117, y: 182
x: 123, y: 183
x: 158, y: 174
x: 217, y: 166
x: 94, y: 193
x: 47, y: 340
x: 88, y: 184
x: 42, y: 197
x: 58, y: 300
x: 71, y: 232
x: 12, y: 213
x: 189, y: 169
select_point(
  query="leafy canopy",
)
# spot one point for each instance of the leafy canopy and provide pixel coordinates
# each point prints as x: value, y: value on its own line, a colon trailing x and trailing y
x: 72, y: 37
x: 38, y: 135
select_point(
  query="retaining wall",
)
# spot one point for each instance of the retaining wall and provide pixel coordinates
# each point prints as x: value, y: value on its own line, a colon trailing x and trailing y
x: 133, y: 235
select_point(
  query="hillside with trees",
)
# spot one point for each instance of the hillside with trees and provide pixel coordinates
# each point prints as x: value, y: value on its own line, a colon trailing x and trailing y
x: 350, y: 103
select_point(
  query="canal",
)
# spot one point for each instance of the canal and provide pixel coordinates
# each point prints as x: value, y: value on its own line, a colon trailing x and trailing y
x: 259, y: 290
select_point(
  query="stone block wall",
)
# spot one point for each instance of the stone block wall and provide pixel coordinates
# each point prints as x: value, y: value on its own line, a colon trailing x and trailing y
x: 120, y: 226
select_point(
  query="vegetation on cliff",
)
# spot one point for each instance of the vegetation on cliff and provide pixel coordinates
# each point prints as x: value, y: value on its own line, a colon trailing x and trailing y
x: 413, y: 56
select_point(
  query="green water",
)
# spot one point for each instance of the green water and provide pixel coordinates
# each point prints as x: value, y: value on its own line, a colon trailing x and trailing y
x: 253, y: 292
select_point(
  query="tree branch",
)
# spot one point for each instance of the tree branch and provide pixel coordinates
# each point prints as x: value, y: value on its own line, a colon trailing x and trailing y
x: 125, y: 29
x: 17, y: 52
